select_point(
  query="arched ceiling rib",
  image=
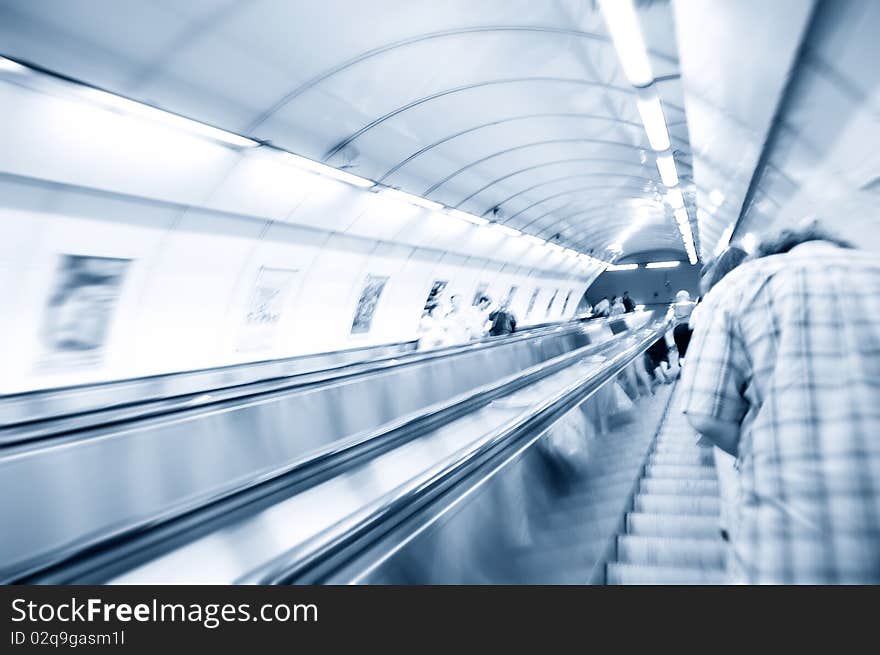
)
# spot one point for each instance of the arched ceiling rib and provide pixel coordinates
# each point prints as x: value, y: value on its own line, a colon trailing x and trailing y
x: 443, y: 99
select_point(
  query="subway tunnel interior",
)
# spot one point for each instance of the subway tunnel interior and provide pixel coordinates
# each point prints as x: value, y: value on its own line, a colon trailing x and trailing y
x: 225, y: 225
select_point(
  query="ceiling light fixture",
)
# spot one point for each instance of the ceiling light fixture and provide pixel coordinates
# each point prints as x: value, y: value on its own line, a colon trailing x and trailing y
x: 666, y: 166
x: 662, y: 265
x: 135, y: 108
x: 623, y: 26
x: 654, y: 121
x: 622, y: 267
x: 465, y: 216
x: 328, y: 171
x: 412, y: 199
x: 674, y: 198
x: 509, y: 231
x: 9, y: 66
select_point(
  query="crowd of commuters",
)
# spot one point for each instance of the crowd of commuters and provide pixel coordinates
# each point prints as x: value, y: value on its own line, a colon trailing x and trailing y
x: 449, y: 322
x: 614, y: 306
x: 783, y: 378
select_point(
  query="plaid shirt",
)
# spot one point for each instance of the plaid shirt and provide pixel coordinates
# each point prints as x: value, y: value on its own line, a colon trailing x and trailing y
x: 789, y: 347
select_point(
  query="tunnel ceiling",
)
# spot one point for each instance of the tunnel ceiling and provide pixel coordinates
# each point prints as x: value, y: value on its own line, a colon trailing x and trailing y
x: 516, y: 105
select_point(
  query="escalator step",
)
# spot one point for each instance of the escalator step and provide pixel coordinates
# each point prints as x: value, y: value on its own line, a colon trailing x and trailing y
x: 680, y: 471
x: 693, y: 458
x: 632, y: 574
x: 679, y: 486
x: 671, y: 551
x: 671, y: 525
x: 677, y: 504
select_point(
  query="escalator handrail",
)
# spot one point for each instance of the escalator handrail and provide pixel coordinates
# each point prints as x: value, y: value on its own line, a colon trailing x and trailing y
x: 304, y: 563
x: 352, y: 451
x: 195, y: 397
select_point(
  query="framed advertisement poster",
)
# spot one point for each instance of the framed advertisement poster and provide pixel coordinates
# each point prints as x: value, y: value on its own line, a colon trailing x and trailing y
x: 367, y: 302
x: 479, y: 292
x: 80, y: 309
x: 435, y: 294
x: 264, y: 308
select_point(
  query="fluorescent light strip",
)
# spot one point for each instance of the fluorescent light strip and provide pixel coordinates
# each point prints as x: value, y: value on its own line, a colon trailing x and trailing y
x: 9, y: 66
x: 328, y: 171
x: 465, y: 216
x: 509, y: 231
x: 666, y: 166
x: 622, y: 267
x: 724, y: 241
x: 675, y: 199
x: 412, y: 199
x: 149, y: 112
x: 654, y: 122
x: 662, y: 265
x: 623, y: 25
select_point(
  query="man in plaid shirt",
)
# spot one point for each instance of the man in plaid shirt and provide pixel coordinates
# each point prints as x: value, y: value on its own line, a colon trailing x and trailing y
x: 784, y: 372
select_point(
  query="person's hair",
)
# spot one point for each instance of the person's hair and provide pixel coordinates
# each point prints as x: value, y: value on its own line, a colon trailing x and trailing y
x: 791, y: 237
x: 728, y: 260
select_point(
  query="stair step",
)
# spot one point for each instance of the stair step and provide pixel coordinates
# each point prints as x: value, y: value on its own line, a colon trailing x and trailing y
x: 691, y: 458
x: 680, y: 471
x: 633, y: 574
x: 677, y: 504
x: 671, y: 551
x: 641, y: 524
x: 682, y: 486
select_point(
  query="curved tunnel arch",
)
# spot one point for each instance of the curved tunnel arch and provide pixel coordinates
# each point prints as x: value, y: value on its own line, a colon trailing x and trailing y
x: 470, y: 130
x: 634, y: 189
x: 501, y: 121
x: 561, y: 194
x: 379, y: 50
x: 556, y: 162
x: 468, y: 87
x: 582, y: 213
x: 533, y: 144
x: 567, y: 177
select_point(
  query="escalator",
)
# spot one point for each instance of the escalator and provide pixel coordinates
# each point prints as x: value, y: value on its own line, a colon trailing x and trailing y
x: 672, y: 532
x: 107, y: 498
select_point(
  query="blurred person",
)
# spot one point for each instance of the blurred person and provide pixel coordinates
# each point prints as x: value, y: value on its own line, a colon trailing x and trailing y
x: 602, y: 307
x: 657, y: 361
x: 680, y: 314
x: 432, y: 333
x: 628, y: 304
x: 502, y: 320
x: 785, y: 375
x: 617, y: 308
x: 478, y: 318
x: 456, y: 322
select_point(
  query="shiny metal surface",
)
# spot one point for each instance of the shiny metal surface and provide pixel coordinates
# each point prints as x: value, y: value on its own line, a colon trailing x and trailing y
x: 532, y: 518
x: 34, y: 414
x: 86, y: 487
x: 304, y: 529
x: 49, y: 403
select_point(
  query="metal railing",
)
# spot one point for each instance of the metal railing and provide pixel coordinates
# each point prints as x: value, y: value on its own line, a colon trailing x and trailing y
x: 313, y: 560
